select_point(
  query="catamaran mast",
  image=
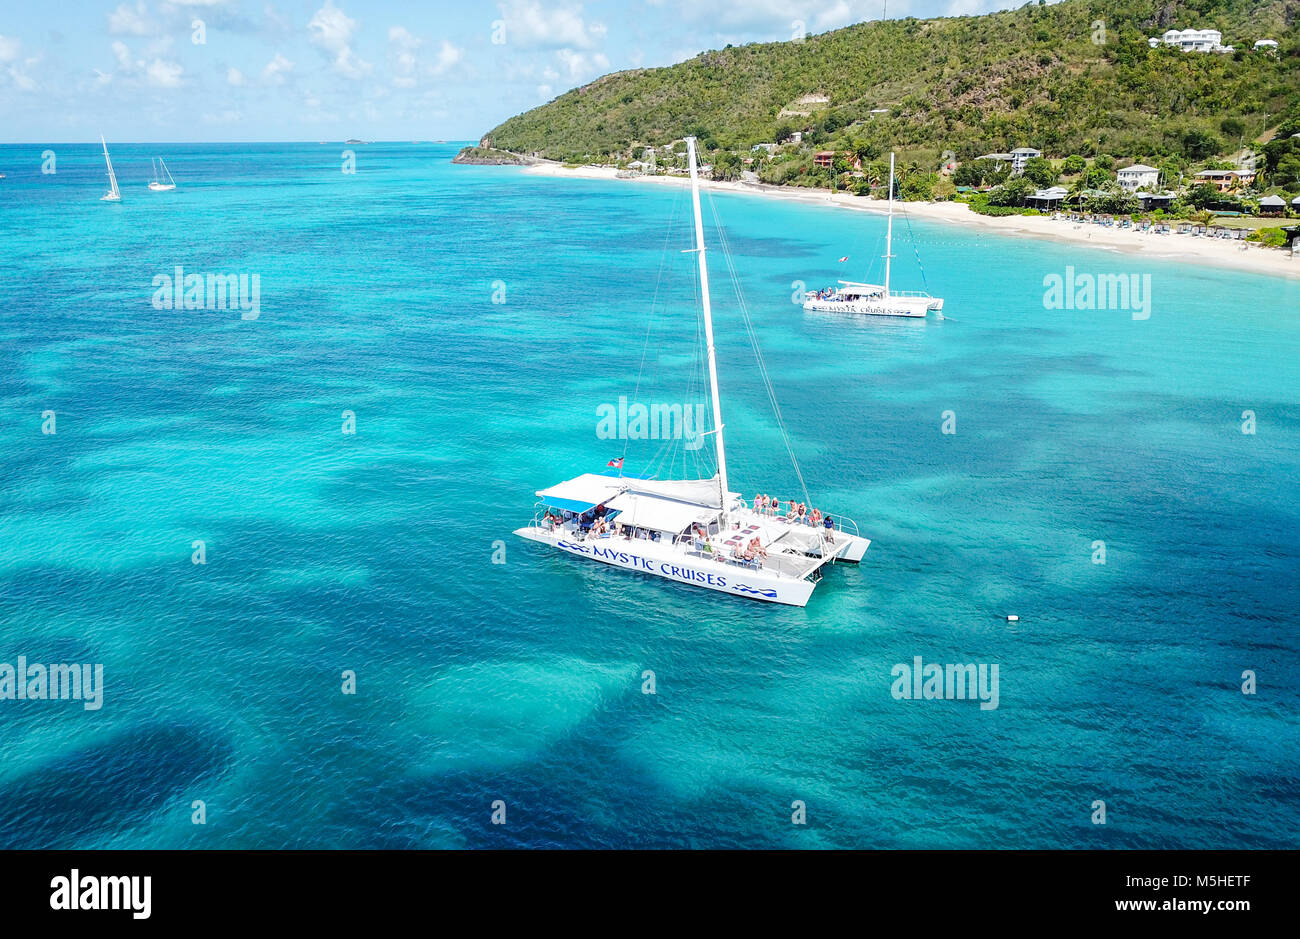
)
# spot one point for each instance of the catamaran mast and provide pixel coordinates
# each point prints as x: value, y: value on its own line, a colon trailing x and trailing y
x: 708, y: 334
x: 889, y: 232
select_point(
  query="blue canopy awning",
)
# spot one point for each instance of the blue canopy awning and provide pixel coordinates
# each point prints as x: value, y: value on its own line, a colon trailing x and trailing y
x: 571, y: 505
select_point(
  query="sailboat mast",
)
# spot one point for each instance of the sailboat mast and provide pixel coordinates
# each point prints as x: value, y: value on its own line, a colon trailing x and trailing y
x: 708, y: 333
x: 112, y: 179
x: 889, y: 231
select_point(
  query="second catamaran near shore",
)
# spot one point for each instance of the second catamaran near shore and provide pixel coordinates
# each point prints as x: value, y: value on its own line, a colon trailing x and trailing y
x: 875, y: 299
x: 693, y: 531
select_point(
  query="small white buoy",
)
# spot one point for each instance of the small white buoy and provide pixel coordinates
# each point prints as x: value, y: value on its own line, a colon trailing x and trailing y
x: 1012, y: 618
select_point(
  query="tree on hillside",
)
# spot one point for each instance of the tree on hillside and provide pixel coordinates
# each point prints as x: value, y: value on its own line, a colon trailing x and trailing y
x: 1096, y: 178
x: 727, y: 165
x: 1198, y: 145
x: 1074, y: 164
x: 1202, y: 195
x: 1282, y: 162
x: 1041, y: 172
x: 917, y: 187
x: 1012, y: 192
x: 981, y: 173
x: 864, y: 151
x: 968, y: 174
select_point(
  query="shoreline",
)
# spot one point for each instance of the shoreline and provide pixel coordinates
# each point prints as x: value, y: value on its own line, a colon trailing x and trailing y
x: 1255, y: 259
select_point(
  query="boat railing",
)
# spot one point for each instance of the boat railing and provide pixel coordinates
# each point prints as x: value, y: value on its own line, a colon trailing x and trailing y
x: 844, y: 523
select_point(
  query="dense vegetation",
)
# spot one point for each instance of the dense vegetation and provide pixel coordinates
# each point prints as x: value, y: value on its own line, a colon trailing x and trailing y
x: 1072, y: 78
x: 490, y: 156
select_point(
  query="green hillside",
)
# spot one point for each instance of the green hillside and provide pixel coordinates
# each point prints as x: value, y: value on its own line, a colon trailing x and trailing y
x: 1027, y: 77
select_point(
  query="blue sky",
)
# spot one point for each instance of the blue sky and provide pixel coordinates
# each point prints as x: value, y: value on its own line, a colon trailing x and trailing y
x: 330, y: 69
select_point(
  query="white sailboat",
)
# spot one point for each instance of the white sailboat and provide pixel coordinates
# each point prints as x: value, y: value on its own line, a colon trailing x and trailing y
x: 114, y: 194
x: 158, y: 185
x: 874, y: 299
x: 693, y: 531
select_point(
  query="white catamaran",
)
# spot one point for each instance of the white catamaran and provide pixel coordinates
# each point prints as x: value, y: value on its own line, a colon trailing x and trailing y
x: 693, y: 531
x: 874, y: 299
x: 158, y: 185
x: 114, y: 194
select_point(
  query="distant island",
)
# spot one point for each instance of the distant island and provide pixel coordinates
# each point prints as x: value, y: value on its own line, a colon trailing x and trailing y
x: 488, y: 156
x: 354, y: 140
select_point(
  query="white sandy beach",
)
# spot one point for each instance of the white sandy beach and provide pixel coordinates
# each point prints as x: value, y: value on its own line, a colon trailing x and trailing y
x: 1239, y: 255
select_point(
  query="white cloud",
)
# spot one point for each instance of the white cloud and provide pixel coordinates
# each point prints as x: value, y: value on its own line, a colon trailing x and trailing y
x: 403, y: 54
x: 235, y: 77
x: 158, y: 72
x: 775, y: 19
x: 9, y: 49
x: 970, y: 7
x: 276, y: 69
x: 448, y: 55
x: 407, y: 65
x: 123, y: 56
x: 332, y: 30
x: 229, y: 116
x: 164, y: 74
x: 582, y: 65
x: 529, y: 25
x: 129, y: 21
x: 15, y: 66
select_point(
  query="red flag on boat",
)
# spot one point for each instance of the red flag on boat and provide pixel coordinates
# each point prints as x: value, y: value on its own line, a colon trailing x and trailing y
x: 617, y: 464
x: 843, y: 259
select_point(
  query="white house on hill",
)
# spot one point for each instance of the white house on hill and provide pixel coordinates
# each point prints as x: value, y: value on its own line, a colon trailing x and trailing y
x: 1022, y: 155
x: 1194, y: 40
x: 1017, y: 157
x: 1138, y: 176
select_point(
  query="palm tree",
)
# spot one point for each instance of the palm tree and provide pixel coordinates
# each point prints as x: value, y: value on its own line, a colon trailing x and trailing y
x: 1077, y: 189
x: 876, y: 172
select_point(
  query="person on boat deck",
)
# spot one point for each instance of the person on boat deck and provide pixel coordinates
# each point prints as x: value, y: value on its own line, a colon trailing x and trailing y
x: 829, y: 523
x: 758, y: 500
x: 803, y: 514
x: 794, y: 511
x: 598, y: 527
x: 755, y: 549
x: 816, y: 517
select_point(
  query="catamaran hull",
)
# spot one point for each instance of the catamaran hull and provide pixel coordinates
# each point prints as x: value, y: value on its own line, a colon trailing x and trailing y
x: 915, y: 310
x: 662, y: 559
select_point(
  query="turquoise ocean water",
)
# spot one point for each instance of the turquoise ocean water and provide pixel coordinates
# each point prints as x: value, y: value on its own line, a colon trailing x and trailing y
x: 522, y: 681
